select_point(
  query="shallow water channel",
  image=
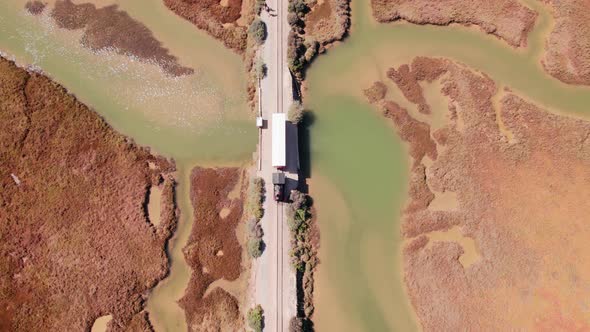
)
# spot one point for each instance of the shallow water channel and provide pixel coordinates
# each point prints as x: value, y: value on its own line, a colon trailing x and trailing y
x: 360, y: 167
x: 197, y: 119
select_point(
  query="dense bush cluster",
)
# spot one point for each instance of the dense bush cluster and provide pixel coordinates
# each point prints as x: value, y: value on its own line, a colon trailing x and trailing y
x: 256, y: 318
x: 296, y: 112
x: 296, y: 324
x: 256, y: 198
x: 298, y: 53
x: 256, y: 68
x: 260, y: 68
x: 257, y: 30
x: 297, y: 47
x: 303, y: 46
x: 259, y: 5
x: 254, y: 208
x: 303, y: 253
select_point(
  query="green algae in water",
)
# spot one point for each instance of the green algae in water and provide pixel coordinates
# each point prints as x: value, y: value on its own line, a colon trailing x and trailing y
x: 358, y: 152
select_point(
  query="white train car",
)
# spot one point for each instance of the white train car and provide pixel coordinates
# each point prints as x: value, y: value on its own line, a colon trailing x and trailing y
x: 279, y: 140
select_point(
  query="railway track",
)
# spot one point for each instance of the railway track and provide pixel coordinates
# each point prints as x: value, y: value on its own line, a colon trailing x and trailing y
x: 279, y: 212
x: 280, y: 267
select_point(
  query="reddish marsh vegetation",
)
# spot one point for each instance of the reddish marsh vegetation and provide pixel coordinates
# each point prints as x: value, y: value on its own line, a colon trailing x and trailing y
x: 520, y: 175
x: 75, y: 240
x: 213, y: 251
x: 111, y: 28
x: 508, y: 20
x: 567, y: 55
x: 216, y: 19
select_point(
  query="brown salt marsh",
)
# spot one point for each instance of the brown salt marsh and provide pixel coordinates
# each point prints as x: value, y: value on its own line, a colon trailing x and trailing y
x: 74, y: 210
x: 516, y: 201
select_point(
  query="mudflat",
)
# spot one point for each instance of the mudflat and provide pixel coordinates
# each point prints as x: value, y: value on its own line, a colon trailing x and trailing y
x: 521, y: 176
x: 75, y: 238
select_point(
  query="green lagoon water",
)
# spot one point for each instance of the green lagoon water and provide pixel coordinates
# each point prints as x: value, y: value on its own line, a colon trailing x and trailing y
x: 359, y: 170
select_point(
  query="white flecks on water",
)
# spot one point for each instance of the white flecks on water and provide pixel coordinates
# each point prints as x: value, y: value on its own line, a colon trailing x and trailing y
x: 188, y: 116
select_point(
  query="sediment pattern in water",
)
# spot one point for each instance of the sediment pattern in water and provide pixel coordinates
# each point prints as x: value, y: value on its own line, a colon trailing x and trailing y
x: 191, y: 117
x: 110, y: 28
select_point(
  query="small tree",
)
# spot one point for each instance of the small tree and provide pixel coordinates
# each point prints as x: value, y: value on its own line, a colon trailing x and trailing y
x: 296, y: 324
x: 255, y: 247
x: 260, y: 68
x: 258, y: 31
x: 256, y: 318
x: 299, y: 199
x: 256, y: 198
x: 259, y: 5
x: 296, y: 112
x: 295, y: 66
x: 298, y: 6
x: 311, y: 48
x: 293, y: 19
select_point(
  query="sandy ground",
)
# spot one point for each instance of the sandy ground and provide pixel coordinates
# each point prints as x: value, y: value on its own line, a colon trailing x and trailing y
x: 521, y: 198
x: 75, y: 239
x: 213, y: 251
